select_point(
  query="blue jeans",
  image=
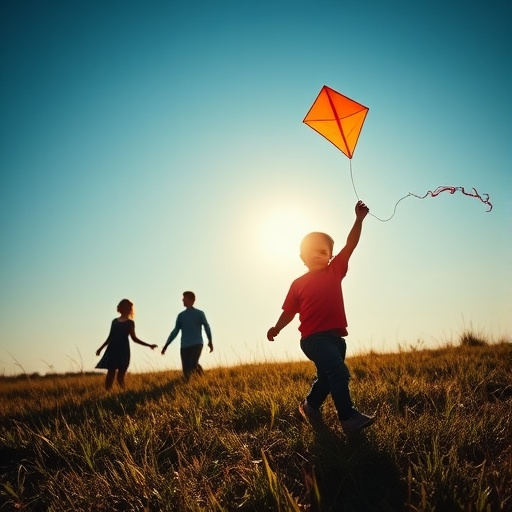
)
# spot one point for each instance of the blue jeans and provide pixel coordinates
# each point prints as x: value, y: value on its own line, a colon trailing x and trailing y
x: 327, y: 350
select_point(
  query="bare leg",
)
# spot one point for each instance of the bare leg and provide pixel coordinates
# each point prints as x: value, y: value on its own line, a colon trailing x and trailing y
x: 109, y: 379
x: 120, y: 377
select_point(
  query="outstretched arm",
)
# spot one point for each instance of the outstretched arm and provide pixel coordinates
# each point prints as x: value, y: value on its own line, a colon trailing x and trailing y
x: 137, y: 340
x: 173, y: 335
x: 355, y: 233
x: 281, y: 323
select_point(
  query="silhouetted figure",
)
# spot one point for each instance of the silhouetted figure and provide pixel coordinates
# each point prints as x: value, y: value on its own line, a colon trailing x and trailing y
x: 318, y: 299
x: 117, y: 355
x: 191, y: 322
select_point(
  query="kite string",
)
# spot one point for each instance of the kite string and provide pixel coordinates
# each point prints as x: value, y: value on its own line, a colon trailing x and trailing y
x: 370, y: 213
x: 352, y: 178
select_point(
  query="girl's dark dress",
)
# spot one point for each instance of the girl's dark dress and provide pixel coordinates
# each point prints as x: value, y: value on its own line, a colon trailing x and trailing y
x: 117, y: 354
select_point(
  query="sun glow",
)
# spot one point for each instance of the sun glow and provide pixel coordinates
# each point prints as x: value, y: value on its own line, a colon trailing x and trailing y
x: 282, y: 231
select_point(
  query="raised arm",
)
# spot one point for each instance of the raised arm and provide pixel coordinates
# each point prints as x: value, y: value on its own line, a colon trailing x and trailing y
x: 353, y: 237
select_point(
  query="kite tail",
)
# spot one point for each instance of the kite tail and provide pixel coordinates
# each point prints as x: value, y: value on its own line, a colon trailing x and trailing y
x: 432, y: 193
x: 452, y: 190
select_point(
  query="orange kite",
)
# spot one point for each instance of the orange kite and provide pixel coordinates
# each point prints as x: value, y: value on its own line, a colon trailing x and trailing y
x: 337, y: 118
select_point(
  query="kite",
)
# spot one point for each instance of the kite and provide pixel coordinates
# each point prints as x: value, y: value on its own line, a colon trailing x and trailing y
x: 340, y: 120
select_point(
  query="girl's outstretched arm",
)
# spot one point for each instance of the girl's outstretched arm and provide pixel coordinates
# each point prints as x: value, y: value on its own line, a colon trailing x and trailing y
x: 137, y: 340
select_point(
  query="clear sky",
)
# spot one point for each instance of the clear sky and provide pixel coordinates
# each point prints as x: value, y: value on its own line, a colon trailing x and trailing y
x: 152, y: 147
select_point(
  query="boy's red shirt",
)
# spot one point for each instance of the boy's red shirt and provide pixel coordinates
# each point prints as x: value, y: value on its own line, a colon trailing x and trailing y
x: 318, y: 298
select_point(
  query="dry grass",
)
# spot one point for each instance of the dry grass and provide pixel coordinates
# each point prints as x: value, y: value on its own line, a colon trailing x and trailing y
x: 230, y: 440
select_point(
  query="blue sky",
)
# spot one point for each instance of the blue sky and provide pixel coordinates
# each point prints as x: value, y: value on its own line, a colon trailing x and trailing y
x: 147, y: 148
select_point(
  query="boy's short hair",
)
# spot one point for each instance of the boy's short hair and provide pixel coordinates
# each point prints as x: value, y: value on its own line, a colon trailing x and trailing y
x: 189, y: 295
x: 310, y: 237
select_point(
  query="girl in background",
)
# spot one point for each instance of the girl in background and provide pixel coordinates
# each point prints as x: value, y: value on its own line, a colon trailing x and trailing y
x: 117, y: 355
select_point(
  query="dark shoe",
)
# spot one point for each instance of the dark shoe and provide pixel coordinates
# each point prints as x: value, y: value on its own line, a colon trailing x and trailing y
x: 308, y: 414
x: 356, y: 422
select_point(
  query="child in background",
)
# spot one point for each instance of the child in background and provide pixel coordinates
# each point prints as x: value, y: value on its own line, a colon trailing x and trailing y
x: 318, y: 298
x: 117, y: 355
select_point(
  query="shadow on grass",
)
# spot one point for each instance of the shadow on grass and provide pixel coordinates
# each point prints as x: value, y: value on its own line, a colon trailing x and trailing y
x: 115, y: 403
x: 353, y: 475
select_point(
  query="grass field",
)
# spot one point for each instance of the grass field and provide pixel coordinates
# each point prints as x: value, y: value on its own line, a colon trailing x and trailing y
x: 230, y: 440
